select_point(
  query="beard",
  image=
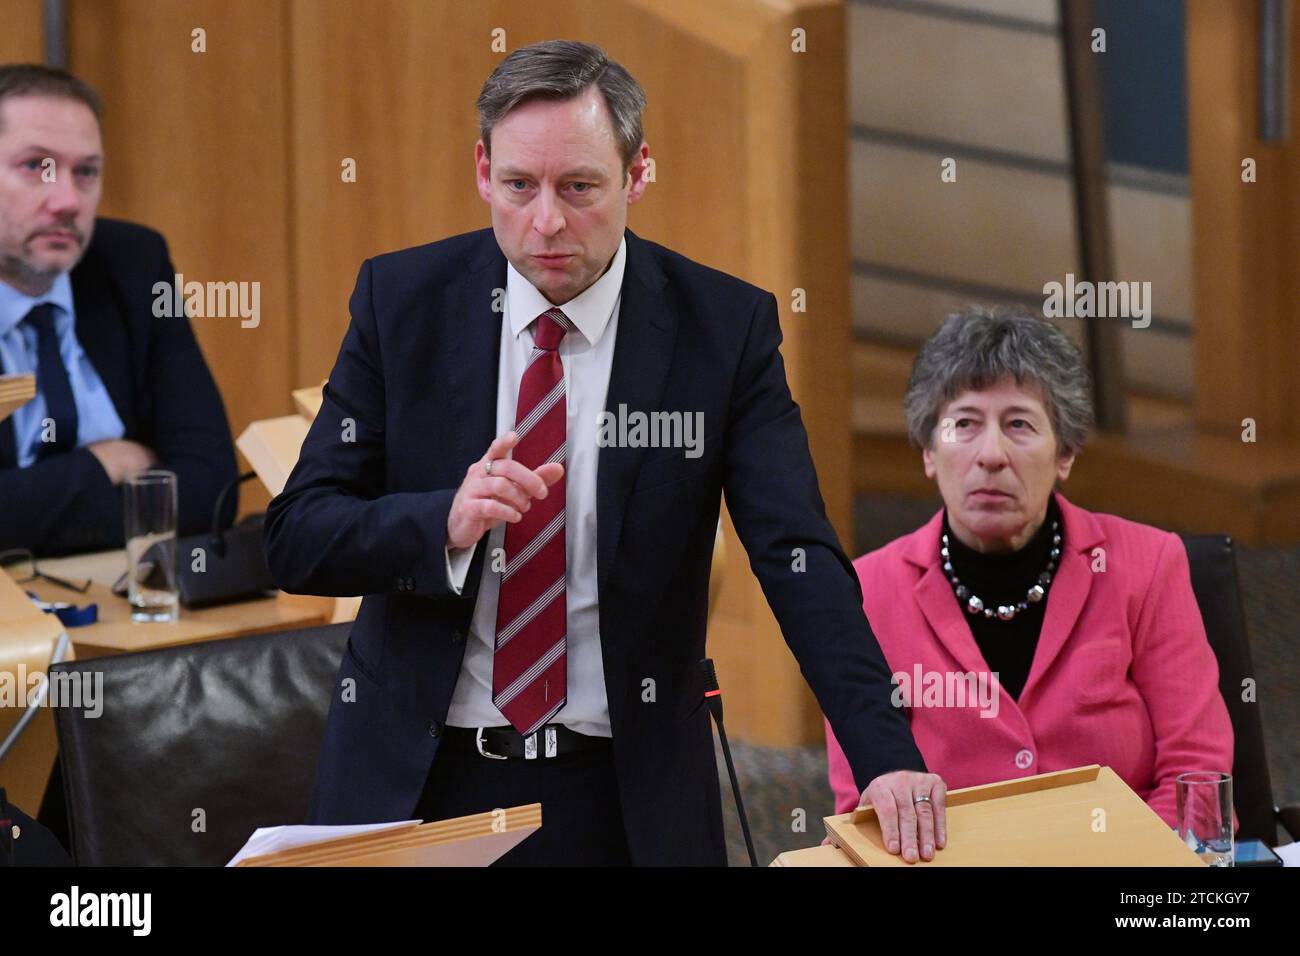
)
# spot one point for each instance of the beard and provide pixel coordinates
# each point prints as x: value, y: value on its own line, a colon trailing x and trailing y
x: 24, y: 271
x: 27, y: 276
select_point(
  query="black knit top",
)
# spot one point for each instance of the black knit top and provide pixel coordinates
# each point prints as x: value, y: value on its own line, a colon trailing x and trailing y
x: 1008, y: 646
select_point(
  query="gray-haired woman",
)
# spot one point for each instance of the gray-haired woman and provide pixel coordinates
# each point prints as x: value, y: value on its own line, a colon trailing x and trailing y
x: 1028, y: 635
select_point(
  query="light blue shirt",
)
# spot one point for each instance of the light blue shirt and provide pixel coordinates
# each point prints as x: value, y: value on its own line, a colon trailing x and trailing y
x: 97, y: 418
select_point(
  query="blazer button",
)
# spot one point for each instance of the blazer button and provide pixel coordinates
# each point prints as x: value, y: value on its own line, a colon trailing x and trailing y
x: 435, y: 729
x: 457, y: 636
x: 1023, y: 759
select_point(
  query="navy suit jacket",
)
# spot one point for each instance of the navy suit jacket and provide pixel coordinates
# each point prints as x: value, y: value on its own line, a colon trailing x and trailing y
x: 411, y: 404
x: 161, y: 388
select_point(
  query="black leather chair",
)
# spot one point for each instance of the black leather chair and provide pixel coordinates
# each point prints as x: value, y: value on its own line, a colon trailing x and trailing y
x: 231, y: 728
x: 1214, y: 581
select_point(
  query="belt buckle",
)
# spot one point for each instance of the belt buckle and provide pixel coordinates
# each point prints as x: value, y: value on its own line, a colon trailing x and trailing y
x: 548, y: 736
x: 550, y: 743
x: 478, y: 742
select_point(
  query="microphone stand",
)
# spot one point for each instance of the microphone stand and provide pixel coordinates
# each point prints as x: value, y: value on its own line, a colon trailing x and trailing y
x: 713, y: 697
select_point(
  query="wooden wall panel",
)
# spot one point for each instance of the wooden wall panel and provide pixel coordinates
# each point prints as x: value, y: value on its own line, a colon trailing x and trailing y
x: 886, y: 310
x: 1246, y: 236
x: 22, y: 39
x: 196, y: 146
x: 1043, y: 12
x: 412, y: 127
x: 995, y: 225
x: 797, y: 227
x: 940, y: 77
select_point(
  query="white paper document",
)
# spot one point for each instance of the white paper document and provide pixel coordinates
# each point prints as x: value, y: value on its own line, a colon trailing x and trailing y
x: 273, y: 839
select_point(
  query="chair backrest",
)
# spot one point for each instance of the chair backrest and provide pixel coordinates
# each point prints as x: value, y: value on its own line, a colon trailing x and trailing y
x: 1214, y: 581
x: 196, y: 746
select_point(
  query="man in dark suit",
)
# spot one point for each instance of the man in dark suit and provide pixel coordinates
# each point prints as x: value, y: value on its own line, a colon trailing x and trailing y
x: 535, y: 602
x: 118, y: 388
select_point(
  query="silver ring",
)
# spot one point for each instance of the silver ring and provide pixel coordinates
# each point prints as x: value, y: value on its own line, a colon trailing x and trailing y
x: 487, y: 467
x: 922, y: 799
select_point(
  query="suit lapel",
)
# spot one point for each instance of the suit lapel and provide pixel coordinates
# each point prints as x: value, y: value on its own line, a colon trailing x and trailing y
x: 643, y: 351
x: 104, y: 335
x: 471, y: 362
x: 938, y: 604
x: 1068, y: 592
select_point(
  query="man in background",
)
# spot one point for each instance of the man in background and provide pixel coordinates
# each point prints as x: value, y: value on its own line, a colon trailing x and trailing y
x: 118, y: 390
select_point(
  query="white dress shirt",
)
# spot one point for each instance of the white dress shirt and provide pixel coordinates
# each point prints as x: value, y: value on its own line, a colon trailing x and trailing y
x: 587, y: 356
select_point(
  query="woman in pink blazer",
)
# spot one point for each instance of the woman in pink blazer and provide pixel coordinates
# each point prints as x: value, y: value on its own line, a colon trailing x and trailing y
x: 1025, y: 634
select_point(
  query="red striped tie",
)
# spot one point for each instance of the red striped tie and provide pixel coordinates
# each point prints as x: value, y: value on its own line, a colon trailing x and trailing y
x: 529, y: 661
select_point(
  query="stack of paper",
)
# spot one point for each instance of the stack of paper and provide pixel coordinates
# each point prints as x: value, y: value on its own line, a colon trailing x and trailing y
x: 268, y: 840
x: 475, y: 840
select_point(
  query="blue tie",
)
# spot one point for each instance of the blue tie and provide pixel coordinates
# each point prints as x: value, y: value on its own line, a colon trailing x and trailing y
x: 52, y: 381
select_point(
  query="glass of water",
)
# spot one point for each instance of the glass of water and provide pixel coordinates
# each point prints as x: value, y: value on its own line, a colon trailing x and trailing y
x: 149, y: 506
x: 1205, y: 814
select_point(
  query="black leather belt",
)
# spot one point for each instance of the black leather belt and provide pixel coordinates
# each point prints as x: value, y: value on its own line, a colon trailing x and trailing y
x: 506, y: 743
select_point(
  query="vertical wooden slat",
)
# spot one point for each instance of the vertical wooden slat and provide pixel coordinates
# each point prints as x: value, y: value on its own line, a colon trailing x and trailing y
x: 1084, y: 110
x: 21, y: 32
x: 196, y: 147
x: 1246, y: 235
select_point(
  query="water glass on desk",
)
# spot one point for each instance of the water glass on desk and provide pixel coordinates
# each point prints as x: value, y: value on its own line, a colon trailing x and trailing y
x: 149, y: 506
x: 1205, y: 814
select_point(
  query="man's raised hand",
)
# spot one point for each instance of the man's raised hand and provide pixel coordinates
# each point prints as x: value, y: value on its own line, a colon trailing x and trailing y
x: 484, y: 501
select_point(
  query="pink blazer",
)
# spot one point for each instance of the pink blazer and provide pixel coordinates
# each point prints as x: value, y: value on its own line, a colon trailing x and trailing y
x: 1122, y: 676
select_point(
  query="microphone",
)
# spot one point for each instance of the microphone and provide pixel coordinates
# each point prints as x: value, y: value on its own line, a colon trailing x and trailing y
x: 217, y: 537
x: 713, y: 698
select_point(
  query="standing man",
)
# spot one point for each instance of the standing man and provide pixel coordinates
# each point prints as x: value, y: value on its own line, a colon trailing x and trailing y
x: 536, y: 578
x: 117, y: 389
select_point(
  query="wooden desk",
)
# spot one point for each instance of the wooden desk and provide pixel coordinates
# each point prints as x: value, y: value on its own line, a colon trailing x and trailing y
x: 27, y: 640
x: 814, y: 856
x: 116, y: 633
